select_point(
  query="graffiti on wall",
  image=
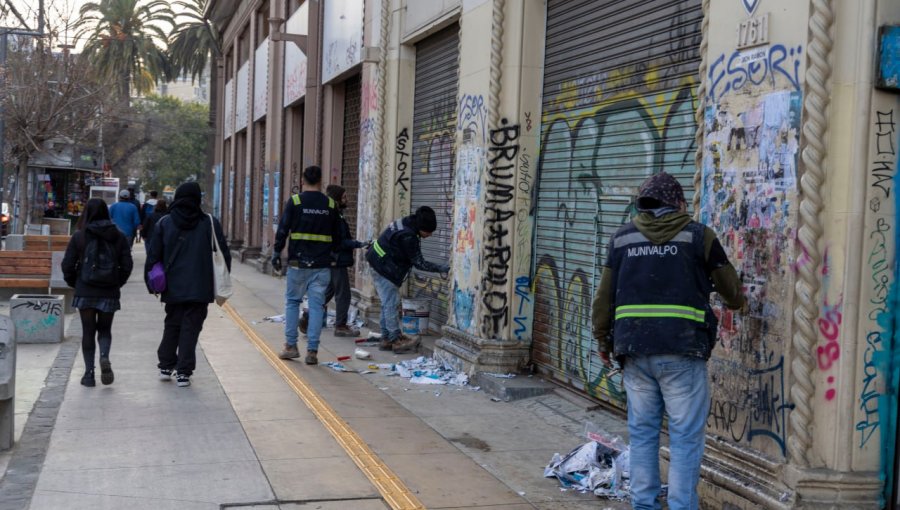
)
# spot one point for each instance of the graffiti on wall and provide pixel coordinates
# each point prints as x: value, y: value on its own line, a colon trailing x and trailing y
x: 585, y: 195
x: 879, y: 282
x: 431, y: 183
x: 749, y: 198
x: 471, y: 161
x: 754, y: 67
x: 401, y: 153
x: 829, y: 324
x: 503, y: 152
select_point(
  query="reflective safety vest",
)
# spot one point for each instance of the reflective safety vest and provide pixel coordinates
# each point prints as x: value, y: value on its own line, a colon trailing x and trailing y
x: 313, y: 229
x: 385, y: 255
x: 662, y: 294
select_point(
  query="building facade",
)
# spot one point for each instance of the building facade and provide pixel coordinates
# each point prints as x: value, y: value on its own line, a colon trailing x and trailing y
x: 528, y: 126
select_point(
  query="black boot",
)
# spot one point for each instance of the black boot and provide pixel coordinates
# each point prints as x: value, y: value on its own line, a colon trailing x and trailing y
x: 88, y: 379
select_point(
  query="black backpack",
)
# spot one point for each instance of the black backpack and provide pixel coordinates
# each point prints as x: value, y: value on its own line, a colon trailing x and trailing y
x: 99, y: 263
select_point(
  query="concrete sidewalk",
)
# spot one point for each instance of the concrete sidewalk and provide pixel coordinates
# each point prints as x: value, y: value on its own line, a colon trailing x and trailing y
x: 240, y: 436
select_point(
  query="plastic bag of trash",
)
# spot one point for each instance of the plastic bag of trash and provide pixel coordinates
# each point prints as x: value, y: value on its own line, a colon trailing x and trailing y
x: 592, y: 467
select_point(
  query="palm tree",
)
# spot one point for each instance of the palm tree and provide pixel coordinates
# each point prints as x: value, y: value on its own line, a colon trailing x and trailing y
x: 194, y: 43
x: 123, y: 38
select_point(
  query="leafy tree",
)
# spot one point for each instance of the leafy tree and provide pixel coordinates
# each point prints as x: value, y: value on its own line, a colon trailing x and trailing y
x: 123, y: 42
x: 178, y: 135
x: 193, y: 43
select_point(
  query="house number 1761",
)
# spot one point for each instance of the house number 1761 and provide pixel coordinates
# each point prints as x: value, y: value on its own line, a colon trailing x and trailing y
x: 753, y: 32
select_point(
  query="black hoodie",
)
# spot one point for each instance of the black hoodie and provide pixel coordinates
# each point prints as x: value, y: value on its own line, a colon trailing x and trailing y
x: 182, y: 240
x: 106, y: 230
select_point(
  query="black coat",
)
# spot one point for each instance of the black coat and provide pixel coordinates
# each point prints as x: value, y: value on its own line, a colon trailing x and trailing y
x: 106, y: 230
x: 149, y: 223
x: 344, y: 256
x: 182, y: 240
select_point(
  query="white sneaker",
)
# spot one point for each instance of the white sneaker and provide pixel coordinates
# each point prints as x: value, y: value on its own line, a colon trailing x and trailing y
x: 165, y: 374
x: 182, y: 380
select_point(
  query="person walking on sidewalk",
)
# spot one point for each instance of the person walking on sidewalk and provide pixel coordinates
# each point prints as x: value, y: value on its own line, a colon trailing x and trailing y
x: 125, y: 215
x: 396, y: 251
x: 654, y: 298
x: 339, y: 286
x: 97, y: 263
x: 160, y: 209
x: 310, y: 226
x: 182, y: 240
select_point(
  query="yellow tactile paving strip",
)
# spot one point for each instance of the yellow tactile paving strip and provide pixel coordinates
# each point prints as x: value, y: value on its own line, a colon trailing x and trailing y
x: 392, y: 489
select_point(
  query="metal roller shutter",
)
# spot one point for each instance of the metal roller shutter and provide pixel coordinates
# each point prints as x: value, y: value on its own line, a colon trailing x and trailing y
x: 619, y: 97
x: 350, y: 153
x: 434, y: 150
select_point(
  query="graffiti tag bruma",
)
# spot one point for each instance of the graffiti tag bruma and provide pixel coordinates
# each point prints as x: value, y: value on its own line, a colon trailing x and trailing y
x: 499, y: 191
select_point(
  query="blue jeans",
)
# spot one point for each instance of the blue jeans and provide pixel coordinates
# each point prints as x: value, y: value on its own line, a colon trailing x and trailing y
x: 312, y: 283
x: 389, y: 294
x: 677, y: 385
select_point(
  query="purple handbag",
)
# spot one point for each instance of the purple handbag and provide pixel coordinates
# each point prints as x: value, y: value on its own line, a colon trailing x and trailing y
x: 156, y: 278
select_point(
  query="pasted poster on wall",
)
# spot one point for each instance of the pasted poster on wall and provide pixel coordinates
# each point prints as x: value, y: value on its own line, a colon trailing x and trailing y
x: 231, y: 189
x: 247, y: 198
x: 749, y: 190
x: 241, y: 108
x: 265, y: 204
x: 276, y: 198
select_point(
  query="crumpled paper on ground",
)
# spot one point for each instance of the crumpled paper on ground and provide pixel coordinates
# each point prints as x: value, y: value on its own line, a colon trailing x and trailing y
x: 593, y: 467
x: 424, y: 370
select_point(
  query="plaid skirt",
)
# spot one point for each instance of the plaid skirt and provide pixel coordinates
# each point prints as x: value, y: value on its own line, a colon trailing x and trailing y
x: 108, y: 305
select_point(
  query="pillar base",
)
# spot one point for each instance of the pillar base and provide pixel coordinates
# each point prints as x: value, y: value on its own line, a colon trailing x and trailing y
x: 369, y: 306
x: 824, y: 488
x: 471, y: 354
x: 737, y: 478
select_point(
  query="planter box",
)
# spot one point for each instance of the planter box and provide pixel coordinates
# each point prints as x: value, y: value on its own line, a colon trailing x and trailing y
x: 38, y: 318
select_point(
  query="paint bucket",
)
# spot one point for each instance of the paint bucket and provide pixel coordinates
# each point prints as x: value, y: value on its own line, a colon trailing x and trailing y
x: 414, y: 319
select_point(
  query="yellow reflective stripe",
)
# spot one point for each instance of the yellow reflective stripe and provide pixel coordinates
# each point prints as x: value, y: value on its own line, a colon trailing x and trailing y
x: 673, y: 311
x: 300, y: 236
x: 378, y: 249
x: 296, y: 199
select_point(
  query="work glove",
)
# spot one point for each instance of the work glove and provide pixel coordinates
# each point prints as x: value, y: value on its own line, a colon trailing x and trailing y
x: 276, y: 263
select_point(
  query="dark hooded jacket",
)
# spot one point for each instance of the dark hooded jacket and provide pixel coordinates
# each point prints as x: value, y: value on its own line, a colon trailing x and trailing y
x: 658, y: 231
x: 182, y: 240
x: 109, y: 233
x: 398, y: 249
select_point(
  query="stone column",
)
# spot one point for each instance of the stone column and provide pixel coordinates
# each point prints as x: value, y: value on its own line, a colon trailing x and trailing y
x: 489, y: 327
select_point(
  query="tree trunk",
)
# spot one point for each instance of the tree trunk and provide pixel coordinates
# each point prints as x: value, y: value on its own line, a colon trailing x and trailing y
x: 21, y: 200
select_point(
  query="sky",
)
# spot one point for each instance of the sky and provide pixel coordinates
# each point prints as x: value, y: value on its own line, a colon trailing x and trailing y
x: 59, y: 12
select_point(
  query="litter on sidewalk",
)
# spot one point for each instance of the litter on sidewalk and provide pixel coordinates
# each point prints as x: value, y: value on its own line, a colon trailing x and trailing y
x: 337, y: 367
x: 275, y: 318
x: 424, y: 370
x: 600, y: 466
x: 362, y: 354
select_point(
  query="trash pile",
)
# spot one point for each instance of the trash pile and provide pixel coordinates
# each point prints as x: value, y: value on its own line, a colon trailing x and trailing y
x: 600, y: 466
x: 424, y: 370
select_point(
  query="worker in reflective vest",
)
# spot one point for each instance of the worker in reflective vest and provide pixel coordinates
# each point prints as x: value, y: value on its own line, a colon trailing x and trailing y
x: 310, y: 226
x: 652, y: 312
x: 392, y: 256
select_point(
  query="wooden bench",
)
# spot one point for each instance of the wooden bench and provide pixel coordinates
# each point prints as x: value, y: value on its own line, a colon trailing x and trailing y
x: 19, y: 242
x: 26, y: 269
